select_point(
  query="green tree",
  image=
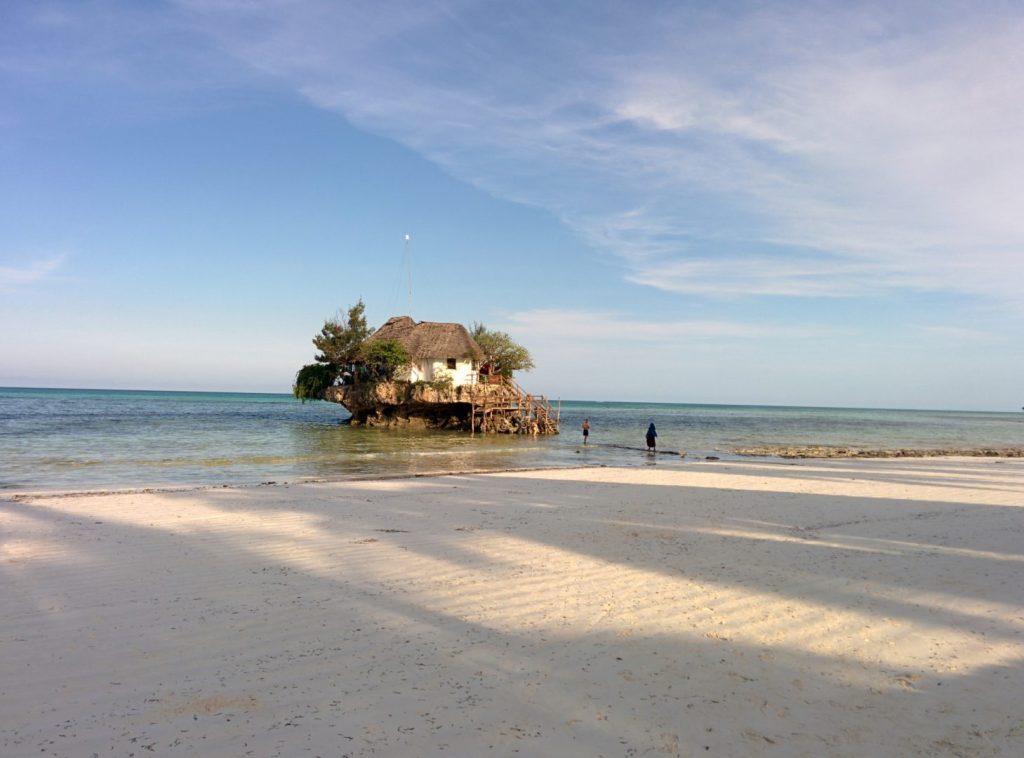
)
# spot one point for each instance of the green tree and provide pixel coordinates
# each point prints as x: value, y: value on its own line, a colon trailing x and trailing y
x: 501, y: 351
x: 390, y: 355
x: 339, y: 342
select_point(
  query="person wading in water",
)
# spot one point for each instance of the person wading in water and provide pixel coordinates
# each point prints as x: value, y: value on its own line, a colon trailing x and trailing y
x: 652, y: 436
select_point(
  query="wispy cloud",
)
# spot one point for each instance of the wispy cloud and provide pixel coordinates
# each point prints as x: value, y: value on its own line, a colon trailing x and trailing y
x: 958, y: 334
x: 153, y: 51
x: 882, y: 146
x: 18, y: 276
x: 780, y: 277
x: 605, y: 326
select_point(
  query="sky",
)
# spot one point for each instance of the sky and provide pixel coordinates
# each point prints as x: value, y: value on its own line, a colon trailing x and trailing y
x: 814, y: 203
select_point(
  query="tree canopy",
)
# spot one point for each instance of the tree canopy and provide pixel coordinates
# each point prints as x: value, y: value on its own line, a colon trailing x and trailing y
x: 338, y: 344
x: 501, y: 351
x: 389, y: 356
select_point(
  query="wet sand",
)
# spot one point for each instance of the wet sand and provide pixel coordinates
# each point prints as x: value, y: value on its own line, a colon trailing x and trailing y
x: 841, y: 607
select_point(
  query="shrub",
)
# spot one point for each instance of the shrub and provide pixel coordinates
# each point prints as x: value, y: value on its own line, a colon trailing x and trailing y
x: 443, y: 383
x: 387, y: 357
x: 312, y: 380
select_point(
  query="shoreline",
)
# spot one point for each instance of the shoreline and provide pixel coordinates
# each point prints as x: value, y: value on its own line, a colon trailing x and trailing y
x: 779, y: 455
x: 843, y: 607
x: 20, y: 496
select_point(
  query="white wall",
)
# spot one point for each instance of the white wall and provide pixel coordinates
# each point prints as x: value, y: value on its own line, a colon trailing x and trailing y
x: 432, y: 369
x: 417, y: 372
x: 463, y: 373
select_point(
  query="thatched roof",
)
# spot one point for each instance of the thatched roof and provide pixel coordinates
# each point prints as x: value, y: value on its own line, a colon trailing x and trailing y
x: 430, y: 339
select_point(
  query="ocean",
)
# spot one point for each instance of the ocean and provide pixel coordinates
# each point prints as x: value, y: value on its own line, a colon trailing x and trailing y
x: 68, y: 439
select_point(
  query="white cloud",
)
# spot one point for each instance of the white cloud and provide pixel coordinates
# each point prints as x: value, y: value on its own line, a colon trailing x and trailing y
x: 766, y: 277
x: 958, y: 334
x: 605, y: 327
x: 18, y: 276
x: 882, y: 144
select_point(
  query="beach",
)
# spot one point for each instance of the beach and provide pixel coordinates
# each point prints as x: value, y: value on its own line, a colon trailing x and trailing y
x: 730, y: 608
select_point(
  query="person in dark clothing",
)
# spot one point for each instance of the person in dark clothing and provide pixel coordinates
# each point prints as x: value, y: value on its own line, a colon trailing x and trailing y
x: 652, y: 435
x: 586, y: 430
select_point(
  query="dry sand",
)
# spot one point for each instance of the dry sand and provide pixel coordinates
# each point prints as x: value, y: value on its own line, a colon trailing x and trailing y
x: 840, y: 608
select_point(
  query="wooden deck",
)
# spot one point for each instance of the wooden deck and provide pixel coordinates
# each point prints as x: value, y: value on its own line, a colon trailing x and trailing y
x: 507, y: 407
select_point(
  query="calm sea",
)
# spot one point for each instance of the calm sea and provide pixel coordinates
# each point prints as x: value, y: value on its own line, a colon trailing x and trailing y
x: 94, y: 439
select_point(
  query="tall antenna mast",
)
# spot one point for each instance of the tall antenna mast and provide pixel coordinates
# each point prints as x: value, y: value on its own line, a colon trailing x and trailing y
x: 408, y: 268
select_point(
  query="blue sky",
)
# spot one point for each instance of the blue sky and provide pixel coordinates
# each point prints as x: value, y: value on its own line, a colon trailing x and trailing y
x: 807, y: 203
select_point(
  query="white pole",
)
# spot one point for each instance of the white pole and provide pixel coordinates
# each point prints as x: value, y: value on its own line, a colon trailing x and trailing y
x: 408, y: 266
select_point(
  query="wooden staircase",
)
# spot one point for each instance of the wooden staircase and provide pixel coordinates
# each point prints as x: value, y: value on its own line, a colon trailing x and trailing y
x: 508, y: 407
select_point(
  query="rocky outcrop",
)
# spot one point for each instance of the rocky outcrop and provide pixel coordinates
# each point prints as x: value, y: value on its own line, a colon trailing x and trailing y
x: 823, y: 451
x: 416, y: 405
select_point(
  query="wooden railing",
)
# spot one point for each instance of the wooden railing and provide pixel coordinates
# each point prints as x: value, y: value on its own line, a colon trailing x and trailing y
x: 533, y: 409
x: 528, y: 414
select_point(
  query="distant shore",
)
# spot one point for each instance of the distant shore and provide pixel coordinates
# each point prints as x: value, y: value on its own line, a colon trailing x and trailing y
x: 844, y: 607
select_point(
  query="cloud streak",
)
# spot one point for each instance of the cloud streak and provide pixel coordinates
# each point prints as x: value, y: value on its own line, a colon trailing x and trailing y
x: 12, y: 277
x: 573, y: 326
x: 702, y: 146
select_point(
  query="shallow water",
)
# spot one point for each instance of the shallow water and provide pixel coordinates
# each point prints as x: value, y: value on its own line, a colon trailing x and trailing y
x: 94, y: 439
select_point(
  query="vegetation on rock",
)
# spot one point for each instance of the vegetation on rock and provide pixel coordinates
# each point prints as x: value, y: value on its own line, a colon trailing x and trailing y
x: 338, y: 343
x: 312, y: 380
x: 501, y: 351
x: 388, y: 357
x: 342, y: 346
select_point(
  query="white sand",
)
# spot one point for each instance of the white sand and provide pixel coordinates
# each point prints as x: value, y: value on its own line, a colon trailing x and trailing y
x: 843, y: 608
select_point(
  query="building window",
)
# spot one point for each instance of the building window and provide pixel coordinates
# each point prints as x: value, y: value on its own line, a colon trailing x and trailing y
x: 451, y: 363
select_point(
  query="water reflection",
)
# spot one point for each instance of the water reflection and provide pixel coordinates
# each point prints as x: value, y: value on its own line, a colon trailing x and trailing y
x: 340, y: 451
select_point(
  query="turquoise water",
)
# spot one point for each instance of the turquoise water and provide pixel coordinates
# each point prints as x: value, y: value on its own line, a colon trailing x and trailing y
x: 94, y: 439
